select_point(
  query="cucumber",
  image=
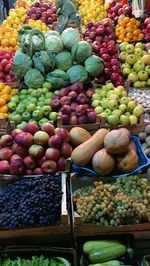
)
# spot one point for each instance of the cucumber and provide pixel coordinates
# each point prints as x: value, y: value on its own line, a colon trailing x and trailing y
x: 90, y: 245
x: 107, y: 253
x: 113, y: 263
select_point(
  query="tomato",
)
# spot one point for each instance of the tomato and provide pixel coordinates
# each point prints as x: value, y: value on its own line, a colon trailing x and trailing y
x: 8, y: 67
x: 4, y: 62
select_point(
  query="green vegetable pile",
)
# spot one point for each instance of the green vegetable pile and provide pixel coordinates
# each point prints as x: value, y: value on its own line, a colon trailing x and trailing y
x: 35, y: 261
x: 60, y: 59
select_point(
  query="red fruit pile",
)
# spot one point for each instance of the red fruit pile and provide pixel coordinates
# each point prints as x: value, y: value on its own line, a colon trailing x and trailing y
x: 74, y: 105
x: 34, y: 151
x: 146, y: 29
x: 45, y: 11
x: 6, y: 62
x: 116, y: 9
x: 102, y: 37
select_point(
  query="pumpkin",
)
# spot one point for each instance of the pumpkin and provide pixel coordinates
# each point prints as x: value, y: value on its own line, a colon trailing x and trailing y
x: 128, y: 162
x: 79, y: 135
x: 126, y: 131
x: 103, y: 163
x: 83, y: 154
x: 116, y: 142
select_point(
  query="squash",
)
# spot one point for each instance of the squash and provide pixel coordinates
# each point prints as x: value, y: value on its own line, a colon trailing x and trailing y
x: 79, y: 135
x: 116, y: 142
x: 126, y: 131
x: 103, y: 163
x: 128, y: 162
x: 83, y: 154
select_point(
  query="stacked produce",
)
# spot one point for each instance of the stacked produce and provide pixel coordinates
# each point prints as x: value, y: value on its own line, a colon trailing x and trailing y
x: 114, y: 104
x: 128, y: 30
x: 37, y: 24
x: 142, y: 97
x: 34, y: 150
x: 126, y: 201
x: 116, y: 9
x: 145, y: 139
x: 40, y: 261
x: 73, y: 103
x: 146, y: 30
x: 6, y: 62
x: 101, y: 36
x: 33, y: 201
x: 107, y: 151
x: 6, y: 93
x: 135, y: 64
x: 16, y: 18
x: 8, y: 39
x: 44, y: 11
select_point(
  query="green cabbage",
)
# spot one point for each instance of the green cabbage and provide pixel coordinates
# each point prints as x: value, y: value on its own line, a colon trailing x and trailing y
x: 53, y: 44
x: 58, y: 78
x: 21, y: 64
x: 69, y: 37
x: 77, y: 73
x: 43, y: 61
x: 81, y: 51
x: 33, y: 78
x: 51, y: 32
x: 94, y: 65
x: 64, y: 60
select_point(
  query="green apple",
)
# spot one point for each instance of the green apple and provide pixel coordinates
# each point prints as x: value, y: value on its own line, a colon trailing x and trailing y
x: 123, y: 56
x: 131, y: 59
x: 109, y: 86
x: 124, y: 93
x: 104, y: 103
x: 35, y: 94
x: 139, y: 65
x: 107, y: 112
x: 12, y: 106
x: 137, y: 84
x: 148, y: 82
x: 56, y: 92
x: 17, y: 119
x: 102, y: 93
x: 118, y: 91
x: 143, y: 84
x: 131, y: 105
x: 121, y: 88
x: 49, y: 95
x: 138, y: 110
x: 33, y: 121
x: 126, y: 71
x: 143, y: 76
x: 21, y: 125
x: 123, y: 108
x: 20, y: 109
x: 53, y: 116
x: 31, y: 107
x: 124, y: 100
x: 124, y: 120
x: 30, y: 90
x: 45, y: 90
x: 103, y: 114
x: 133, y: 77
x: 116, y: 112
x: 46, y: 110
x: 33, y: 99
x: 47, y: 85
x: 127, y: 114
x: 138, y: 52
x: 96, y: 103
x: 26, y: 116
x: 37, y: 115
x: 43, y: 121
x: 147, y: 69
x: 41, y: 99
x: 112, y: 105
x: 110, y: 92
x: 24, y: 91
x: 133, y: 120
x: 123, y: 46
x: 95, y: 96
x: 99, y: 110
x: 113, y: 120
x: 125, y: 65
x: 140, y: 45
x: 41, y: 103
x: 130, y: 48
x: 15, y: 99
x: 47, y: 101
x: 113, y: 97
x: 146, y: 59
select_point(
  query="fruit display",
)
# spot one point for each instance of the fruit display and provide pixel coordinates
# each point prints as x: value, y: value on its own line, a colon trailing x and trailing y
x: 101, y: 36
x: 23, y: 3
x: 142, y: 97
x: 125, y: 201
x: 6, y: 92
x: 145, y: 140
x: 114, y: 104
x: 8, y: 39
x: 34, y: 200
x: 16, y: 18
x: 44, y: 11
x: 108, y: 151
x: 117, y: 9
x: 135, y: 64
x: 34, y: 150
x: 146, y: 30
x: 74, y: 105
x: 128, y: 30
x: 6, y: 62
x: 37, y: 24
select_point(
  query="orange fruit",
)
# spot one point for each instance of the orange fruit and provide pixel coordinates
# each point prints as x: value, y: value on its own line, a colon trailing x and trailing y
x: 129, y: 24
x: 129, y: 35
x: 2, y: 102
x: 140, y: 37
x: 4, y: 109
x: 6, y: 97
x: 7, y: 88
x: 126, y: 39
x: 138, y: 23
x: 122, y: 23
x: 126, y: 19
x: 5, y: 115
x: 12, y: 42
x: 121, y: 37
x: 137, y: 32
x: 5, y: 43
x: 2, y: 85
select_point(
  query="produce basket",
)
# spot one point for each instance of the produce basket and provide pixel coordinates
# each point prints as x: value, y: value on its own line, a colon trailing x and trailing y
x: 27, y: 252
x: 143, y: 163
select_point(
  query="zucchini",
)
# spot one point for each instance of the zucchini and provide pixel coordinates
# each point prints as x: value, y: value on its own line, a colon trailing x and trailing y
x: 107, y: 253
x: 90, y: 245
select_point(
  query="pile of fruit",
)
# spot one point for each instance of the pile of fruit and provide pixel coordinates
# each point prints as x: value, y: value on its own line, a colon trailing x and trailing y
x: 135, y: 64
x: 142, y: 97
x: 116, y: 9
x: 126, y: 201
x: 34, y: 150
x: 8, y: 39
x: 145, y: 139
x: 146, y: 29
x: 107, y: 152
x: 16, y: 18
x: 114, y: 104
x: 128, y: 30
x: 6, y: 92
x: 37, y: 24
x: 6, y: 62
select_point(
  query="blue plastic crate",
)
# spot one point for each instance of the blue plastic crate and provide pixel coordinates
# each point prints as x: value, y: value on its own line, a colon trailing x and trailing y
x: 144, y: 162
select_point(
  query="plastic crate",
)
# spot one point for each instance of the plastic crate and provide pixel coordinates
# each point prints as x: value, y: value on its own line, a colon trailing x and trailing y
x: 144, y: 162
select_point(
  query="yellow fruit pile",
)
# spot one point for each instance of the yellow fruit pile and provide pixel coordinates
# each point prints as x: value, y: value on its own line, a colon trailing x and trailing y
x: 38, y: 24
x: 16, y: 18
x: 92, y: 10
x: 8, y: 39
x: 127, y: 30
x: 6, y: 92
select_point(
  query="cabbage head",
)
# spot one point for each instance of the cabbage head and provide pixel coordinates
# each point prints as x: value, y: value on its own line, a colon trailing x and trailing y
x: 53, y: 44
x: 33, y: 78
x: 94, y: 65
x: 77, y: 73
x: 58, y: 78
x: 43, y: 62
x: 64, y: 60
x: 51, y: 32
x: 21, y: 64
x: 69, y: 37
x: 81, y: 51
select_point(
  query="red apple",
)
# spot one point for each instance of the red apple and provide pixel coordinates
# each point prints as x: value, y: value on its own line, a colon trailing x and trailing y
x: 48, y: 128
x: 61, y: 164
x: 4, y: 167
x: 63, y: 133
x: 41, y: 137
x: 42, y: 160
x: 14, y: 157
x: 5, y: 153
x: 6, y: 140
x: 52, y: 154
x: 66, y: 150
x: 55, y: 141
x: 15, y: 132
x: 24, y: 139
x: 37, y: 171
x: 49, y: 167
x: 29, y: 162
x: 21, y: 151
x: 17, y: 167
x: 31, y: 128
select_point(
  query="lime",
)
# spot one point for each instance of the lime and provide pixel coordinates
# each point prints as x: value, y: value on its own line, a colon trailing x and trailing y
x: 37, y: 115
x: 12, y: 106
x: 16, y: 119
x: 47, y: 85
x: 31, y: 107
x: 43, y: 121
x: 46, y: 110
x: 53, y: 116
x: 26, y: 116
